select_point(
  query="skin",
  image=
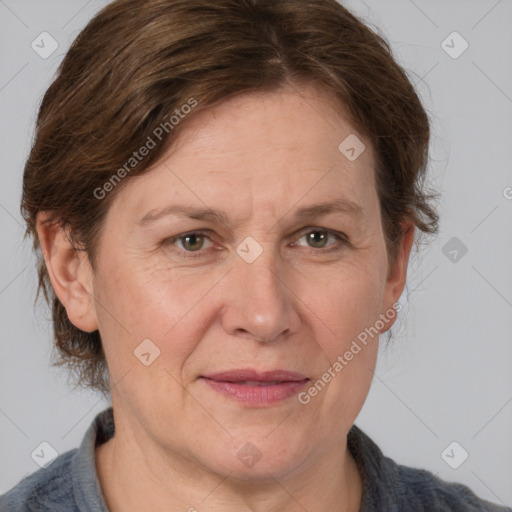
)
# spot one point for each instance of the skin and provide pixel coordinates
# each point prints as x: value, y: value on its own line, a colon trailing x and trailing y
x: 259, y: 158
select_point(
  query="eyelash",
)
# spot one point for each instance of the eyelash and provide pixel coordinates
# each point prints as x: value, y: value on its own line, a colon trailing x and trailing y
x: 341, y: 237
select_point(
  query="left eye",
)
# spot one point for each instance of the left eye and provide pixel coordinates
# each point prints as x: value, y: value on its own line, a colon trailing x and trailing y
x: 317, y: 238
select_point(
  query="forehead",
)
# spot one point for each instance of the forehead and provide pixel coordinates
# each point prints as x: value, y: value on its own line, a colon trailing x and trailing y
x: 308, y: 120
x: 268, y: 150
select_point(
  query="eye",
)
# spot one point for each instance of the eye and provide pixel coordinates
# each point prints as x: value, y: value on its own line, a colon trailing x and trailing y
x: 318, y: 239
x: 190, y: 242
x: 194, y: 243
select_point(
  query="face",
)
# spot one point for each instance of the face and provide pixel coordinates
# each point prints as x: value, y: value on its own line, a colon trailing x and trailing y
x: 244, y: 310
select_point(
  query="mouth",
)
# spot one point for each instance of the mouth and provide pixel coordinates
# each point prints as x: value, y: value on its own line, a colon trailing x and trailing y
x: 256, y: 388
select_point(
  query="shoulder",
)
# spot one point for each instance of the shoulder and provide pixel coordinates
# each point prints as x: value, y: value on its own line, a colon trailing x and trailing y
x: 70, y: 483
x: 397, y: 488
x: 47, y: 489
x: 428, y: 492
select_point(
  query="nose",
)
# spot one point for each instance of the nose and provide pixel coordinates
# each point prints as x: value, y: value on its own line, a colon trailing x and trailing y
x: 260, y: 303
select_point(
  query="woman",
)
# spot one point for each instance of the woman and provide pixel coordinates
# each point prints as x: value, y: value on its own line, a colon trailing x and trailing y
x: 225, y: 195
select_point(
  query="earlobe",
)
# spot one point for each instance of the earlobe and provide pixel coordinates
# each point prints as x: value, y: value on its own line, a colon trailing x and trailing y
x: 70, y: 272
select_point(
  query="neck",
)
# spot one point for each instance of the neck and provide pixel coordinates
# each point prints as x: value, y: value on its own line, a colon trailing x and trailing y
x: 135, y: 474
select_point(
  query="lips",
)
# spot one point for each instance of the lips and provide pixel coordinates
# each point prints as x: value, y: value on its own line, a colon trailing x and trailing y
x: 253, y: 376
x: 256, y: 388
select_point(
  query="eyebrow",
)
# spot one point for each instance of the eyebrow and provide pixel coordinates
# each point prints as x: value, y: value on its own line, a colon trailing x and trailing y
x: 206, y: 214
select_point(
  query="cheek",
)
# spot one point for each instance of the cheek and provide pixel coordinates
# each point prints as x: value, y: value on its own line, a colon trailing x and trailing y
x: 137, y: 300
x: 347, y: 313
x: 345, y: 303
x: 142, y: 299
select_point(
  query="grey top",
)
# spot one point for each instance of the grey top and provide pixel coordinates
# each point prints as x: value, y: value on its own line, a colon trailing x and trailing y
x: 70, y: 483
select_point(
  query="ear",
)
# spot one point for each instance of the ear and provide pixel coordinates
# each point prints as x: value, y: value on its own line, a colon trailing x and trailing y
x: 70, y: 272
x: 397, y: 274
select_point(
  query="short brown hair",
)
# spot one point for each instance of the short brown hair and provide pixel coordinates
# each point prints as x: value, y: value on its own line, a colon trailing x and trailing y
x: 137, y: 63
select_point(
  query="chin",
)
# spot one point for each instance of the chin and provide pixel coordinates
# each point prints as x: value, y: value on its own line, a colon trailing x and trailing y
x: 259, y: 460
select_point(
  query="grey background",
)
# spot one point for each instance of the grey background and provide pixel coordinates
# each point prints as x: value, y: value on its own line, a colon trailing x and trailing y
x: 447, y: 375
